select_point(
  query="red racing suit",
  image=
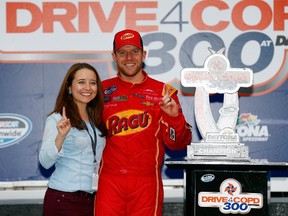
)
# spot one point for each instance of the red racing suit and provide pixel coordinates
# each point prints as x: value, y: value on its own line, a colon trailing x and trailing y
x: 130, y: 175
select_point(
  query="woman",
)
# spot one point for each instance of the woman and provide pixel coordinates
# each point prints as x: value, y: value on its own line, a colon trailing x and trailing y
x: 73, y: 141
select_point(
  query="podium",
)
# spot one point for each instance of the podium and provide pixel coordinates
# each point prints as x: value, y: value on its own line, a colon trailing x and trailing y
x: 219, y: 188
x: 220, y: 176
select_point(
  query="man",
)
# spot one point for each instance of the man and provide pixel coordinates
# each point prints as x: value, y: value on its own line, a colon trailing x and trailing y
x: 142, y: 115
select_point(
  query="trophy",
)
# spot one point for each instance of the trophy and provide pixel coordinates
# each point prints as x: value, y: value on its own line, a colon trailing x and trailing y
x: 219, y: 140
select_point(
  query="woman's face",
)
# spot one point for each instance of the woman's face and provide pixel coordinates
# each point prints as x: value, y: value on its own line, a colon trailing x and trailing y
x: 84, y: 86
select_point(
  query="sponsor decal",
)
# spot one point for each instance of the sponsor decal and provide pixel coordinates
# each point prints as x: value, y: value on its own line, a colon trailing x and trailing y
x: 107, y: 99
x: 110, y: 90
x: 147, y: 103
x: 137, y: 95
x: 120, y: 98
x: 207, y: 178
x: 249, y: 129
x: 230, y: 199
x: 13, y: 129
x: 128, y: 122
x: 172, y: 134
x: 127, y: 36
x: 153, y: 98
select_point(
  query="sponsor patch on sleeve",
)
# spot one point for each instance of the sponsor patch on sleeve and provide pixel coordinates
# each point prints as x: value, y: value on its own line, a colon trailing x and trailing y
x: 172, y: 133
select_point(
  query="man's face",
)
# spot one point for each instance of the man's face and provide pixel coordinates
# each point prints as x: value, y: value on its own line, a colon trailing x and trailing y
x: 129, y: 60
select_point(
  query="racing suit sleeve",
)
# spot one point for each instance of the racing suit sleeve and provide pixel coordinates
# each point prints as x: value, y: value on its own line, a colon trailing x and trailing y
x: 176, y: 132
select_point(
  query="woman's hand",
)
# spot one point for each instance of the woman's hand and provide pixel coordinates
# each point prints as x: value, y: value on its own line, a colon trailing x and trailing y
x: 64, y: 125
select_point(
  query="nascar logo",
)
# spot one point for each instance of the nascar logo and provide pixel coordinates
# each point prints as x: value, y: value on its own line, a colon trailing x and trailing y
x: 13, y: 129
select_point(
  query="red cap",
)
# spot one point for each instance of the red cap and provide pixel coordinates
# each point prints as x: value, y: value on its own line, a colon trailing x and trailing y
x: 127, y: 37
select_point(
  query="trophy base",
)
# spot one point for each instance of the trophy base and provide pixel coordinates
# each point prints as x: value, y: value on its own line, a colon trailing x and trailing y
x: 218, y: 151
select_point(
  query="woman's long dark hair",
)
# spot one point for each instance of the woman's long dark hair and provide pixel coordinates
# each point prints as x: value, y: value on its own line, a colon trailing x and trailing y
x: 94, y: 107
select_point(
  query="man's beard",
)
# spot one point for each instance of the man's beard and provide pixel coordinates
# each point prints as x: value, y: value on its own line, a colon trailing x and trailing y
x: 135, y: 71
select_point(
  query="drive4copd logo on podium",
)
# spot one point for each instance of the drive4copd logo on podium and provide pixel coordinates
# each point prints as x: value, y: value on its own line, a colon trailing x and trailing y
x: 231, y: 200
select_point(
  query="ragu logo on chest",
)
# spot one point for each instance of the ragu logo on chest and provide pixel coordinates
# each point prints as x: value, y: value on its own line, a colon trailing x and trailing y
x: 128, y: 122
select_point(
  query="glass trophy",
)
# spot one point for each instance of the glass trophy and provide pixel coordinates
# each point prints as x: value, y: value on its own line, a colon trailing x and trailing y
x: 219, y: 139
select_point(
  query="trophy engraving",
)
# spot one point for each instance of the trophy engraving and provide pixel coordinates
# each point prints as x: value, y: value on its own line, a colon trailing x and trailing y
x: 219, y: 139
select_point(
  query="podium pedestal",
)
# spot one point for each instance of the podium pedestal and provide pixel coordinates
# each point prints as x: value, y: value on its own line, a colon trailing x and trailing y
x: 226, y: 187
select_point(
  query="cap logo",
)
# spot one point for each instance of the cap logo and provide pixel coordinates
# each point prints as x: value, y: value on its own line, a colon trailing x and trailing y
x: 127, y: 36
